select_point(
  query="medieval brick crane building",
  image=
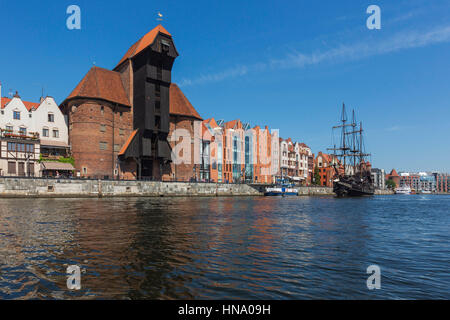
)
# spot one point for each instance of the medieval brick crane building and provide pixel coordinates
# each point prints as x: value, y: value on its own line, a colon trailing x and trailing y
x: 119, y: 121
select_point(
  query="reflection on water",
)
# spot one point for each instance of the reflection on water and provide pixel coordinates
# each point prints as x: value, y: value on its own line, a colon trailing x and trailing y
x: 225, y: 248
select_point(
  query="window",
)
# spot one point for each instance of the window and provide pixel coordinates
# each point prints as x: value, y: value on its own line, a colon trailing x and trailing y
x: 9, y: 128
x: 84, y: 170
x: 103, y: 145
x: 16, y: 115
x: 30, y: 115
x: 45, y: 132
x: 31, y: 169
x: 158, y: 106
x: 121, y: 132
x: 165, y: 45
x: 30, y: 148
x: 157, y: 90
x: 12, y: 146
x: 102, y: 128
x: 23, y: 131
x: 116, y: 148
x: 120, y: 114
x: 157, y: 122
x: 11, y: 167
x: 55, y: 133
x: 51, y: 117
x: 102, y: 110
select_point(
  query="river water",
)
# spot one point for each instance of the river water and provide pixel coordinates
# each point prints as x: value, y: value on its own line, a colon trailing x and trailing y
x: 226, y: 248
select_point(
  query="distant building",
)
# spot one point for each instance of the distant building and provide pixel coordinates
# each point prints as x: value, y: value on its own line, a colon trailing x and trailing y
x: 411, y: 180
x: 393, y: 176
x: 379, y: 178
x: 442, y: 182
x: 427, y: 182
x: 421, y: 181
x: 325, y: 163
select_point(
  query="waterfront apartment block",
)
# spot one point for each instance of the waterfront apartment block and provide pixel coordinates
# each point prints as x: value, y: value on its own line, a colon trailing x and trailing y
x: 442, y: 182
x: 29, y: 128
x: 379, y: 178
x: 418, y: 182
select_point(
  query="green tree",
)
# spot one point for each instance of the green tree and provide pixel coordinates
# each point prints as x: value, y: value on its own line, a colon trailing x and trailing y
x: 316, y: 176
x: 390, y: 184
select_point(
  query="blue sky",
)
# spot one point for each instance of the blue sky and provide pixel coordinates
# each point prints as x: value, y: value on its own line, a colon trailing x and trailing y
x: 285, y: 64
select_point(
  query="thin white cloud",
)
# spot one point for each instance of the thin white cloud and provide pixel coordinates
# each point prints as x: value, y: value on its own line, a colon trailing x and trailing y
x: 400, y: 41
x: 393, y: 128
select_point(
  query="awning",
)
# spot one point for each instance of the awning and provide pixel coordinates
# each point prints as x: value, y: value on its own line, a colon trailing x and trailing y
x: 54, y: 144
x: 48, y: 165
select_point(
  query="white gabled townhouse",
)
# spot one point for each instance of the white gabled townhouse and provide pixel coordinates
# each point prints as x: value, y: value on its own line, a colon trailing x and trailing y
x: 33, y: 138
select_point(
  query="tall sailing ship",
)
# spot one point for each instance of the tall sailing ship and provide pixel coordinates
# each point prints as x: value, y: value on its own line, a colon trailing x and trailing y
x: 352, y: 172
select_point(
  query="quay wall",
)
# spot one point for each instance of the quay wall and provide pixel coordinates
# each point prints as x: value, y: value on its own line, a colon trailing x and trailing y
x: 383, y: 192
x: 80, y: 188
x: 61, y: 188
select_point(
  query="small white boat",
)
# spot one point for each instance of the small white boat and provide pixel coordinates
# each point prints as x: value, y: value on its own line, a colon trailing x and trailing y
x: 281, y: 191
x: 403, y: 190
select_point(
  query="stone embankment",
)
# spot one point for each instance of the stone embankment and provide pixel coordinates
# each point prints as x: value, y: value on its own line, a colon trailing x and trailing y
x: 76, y: 188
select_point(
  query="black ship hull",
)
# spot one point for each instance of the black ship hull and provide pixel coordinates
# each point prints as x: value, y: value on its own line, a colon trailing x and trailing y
x: 352, y: 189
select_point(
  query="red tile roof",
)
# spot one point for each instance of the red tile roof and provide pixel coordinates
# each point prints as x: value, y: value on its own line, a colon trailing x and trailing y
x: 101, y: 84
x: 143, y: 43
x: 127, y: 143
x: 234, y: 124
x: 212, y: 122
x: 28, y: 105
x: 394, y: 173
x: 180, y: 105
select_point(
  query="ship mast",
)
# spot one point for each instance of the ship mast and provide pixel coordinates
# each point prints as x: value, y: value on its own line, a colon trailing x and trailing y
x: 344, y: 146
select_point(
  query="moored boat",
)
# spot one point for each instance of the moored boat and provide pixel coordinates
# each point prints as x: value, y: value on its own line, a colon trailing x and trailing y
x: 352, y: 177
x: 281, y: 191
x: 403, y: 190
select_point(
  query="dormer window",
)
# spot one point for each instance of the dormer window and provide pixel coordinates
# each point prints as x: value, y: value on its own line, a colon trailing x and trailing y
x: 165, y: 45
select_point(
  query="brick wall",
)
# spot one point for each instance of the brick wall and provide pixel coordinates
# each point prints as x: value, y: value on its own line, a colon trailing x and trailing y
x: 92, y: 123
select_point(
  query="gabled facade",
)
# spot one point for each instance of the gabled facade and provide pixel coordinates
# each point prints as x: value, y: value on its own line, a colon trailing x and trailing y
x: 30, y: 131
x: 326, y: 164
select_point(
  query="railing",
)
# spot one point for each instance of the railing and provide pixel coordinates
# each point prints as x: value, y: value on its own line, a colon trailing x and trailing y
x: 18, y: 135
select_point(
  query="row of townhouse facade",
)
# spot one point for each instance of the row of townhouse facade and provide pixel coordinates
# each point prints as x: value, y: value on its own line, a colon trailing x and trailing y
x: 33, y: 138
